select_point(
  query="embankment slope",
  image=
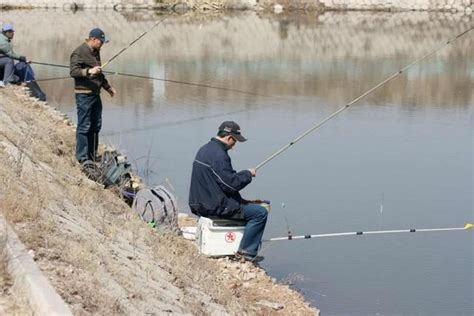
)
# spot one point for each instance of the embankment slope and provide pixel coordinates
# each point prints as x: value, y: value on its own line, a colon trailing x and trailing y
x: 99, y: 256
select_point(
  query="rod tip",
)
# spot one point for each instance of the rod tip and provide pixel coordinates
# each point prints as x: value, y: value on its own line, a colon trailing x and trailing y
x: 468, y: 226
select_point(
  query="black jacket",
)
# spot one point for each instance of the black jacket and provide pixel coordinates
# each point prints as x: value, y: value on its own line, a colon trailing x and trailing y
x: 215, y: 185
x: 82, y: 59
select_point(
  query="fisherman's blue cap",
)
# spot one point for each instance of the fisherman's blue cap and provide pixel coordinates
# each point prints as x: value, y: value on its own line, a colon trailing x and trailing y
x: 7, y: 27
x: 99, y: 34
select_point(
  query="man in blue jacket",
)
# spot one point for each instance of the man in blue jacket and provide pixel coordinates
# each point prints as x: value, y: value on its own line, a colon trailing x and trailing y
x: 215, y: 187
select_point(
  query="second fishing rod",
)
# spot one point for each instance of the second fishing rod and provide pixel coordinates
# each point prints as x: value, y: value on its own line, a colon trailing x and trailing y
x: 393, y: 76
x: 131, y: 75
x: 118, y: 53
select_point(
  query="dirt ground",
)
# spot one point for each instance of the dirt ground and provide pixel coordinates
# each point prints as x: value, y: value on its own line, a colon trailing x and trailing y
x: 100, y: 257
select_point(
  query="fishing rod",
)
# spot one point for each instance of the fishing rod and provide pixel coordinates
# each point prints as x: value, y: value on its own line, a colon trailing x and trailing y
x: 199, y: 85
x: 468, y: 226
x: 318, y: 125
x: 52, y: 79
x: 136, y: 40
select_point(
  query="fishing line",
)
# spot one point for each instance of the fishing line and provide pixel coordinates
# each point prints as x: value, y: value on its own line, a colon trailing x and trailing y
x: 318, y: 125
x: 175, y: 123
x: 381, y: 211
x: 157, y: 126
x: 467, y: 226
x: 51, y: 79
x: 286, y: 220
x: 195, y: 84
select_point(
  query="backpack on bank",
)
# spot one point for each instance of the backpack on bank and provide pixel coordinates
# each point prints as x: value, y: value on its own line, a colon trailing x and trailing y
x: 157, y: 206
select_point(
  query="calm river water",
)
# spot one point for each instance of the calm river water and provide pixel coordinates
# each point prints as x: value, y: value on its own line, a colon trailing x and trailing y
x: 409, y: 146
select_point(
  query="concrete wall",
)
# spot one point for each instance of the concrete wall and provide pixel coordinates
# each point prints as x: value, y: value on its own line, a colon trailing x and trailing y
x: 420, y: 5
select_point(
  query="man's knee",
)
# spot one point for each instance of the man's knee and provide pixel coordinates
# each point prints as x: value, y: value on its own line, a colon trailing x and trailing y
x: 84, y: 127
x: 7, y: 63
x: 262, y: 213
x: 96, y: 125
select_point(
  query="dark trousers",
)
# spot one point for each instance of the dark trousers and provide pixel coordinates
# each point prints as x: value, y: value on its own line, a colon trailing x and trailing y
x: 7, y: 64
x: 89, y: 122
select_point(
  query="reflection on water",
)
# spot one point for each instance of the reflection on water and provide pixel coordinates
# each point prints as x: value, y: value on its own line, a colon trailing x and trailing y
x: 410, y: 141
x: 282, y: 55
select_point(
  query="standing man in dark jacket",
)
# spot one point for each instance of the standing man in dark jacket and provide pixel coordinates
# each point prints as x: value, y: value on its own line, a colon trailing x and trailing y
x: 85, y: 68
x: 215, y: 187
x: 7, y: 55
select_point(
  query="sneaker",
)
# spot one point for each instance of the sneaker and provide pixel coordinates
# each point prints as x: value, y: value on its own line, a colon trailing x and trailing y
x: 14, y: 79
x: 2, y: 85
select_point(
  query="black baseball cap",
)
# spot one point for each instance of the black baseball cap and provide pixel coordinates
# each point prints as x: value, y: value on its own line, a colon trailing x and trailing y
x: 233, y: 129
x: 99, y: 34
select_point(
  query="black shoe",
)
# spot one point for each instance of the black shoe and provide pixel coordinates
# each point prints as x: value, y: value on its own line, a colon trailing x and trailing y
x: 91, y: 170
x: 246, y: 257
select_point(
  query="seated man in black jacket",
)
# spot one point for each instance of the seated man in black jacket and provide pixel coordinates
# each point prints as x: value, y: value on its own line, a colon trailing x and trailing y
x: 215, y: 187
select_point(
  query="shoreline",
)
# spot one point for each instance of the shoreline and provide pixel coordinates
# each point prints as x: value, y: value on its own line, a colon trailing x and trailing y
x: 275, y: 6
x: 98, y: 255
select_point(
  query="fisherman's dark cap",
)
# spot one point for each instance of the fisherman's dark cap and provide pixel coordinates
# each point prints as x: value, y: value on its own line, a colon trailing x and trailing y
x: 99, y: 34
x: 233, y: 129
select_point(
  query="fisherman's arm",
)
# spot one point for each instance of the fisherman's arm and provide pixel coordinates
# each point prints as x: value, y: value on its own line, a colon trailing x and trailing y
x: 230, y: 180
x: 7, y: 50
x: 75, y: 66
x: 107, y: 87
x: 77, y: 69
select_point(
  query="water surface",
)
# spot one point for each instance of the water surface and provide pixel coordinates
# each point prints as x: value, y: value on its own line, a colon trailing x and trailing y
x: 407, y: 146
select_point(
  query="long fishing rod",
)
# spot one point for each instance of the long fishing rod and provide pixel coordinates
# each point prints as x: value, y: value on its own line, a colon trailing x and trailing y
x: 318, y: 125
x: 468, y: 226
x: 136, y: 40
x: 199, y: 85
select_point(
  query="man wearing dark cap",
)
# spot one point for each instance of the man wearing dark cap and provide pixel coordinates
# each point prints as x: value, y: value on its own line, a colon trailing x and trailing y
x: 7, y: 55
x: 85, y: 68
x: 215, y: 187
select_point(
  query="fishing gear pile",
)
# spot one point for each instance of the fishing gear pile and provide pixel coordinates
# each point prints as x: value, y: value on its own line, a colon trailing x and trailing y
x: 114, y: 171
x: 157, y: 206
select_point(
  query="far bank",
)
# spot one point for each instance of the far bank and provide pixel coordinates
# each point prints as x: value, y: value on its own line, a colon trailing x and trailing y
x: 272, y: 5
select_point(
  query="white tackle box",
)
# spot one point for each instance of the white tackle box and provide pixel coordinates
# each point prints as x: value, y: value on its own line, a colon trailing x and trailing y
x: 219, y: 237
